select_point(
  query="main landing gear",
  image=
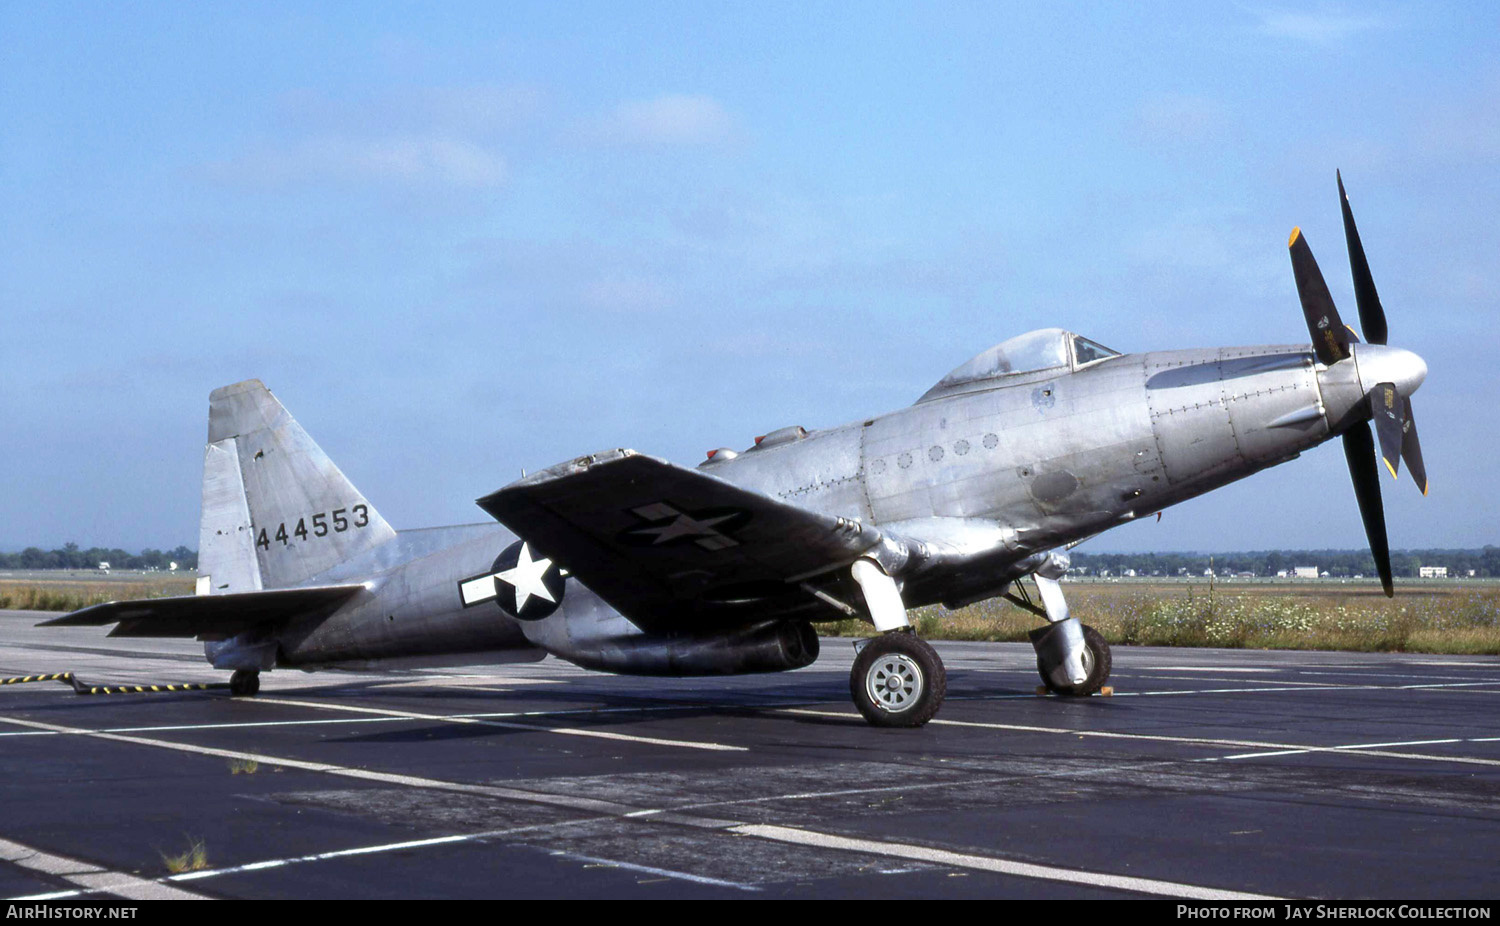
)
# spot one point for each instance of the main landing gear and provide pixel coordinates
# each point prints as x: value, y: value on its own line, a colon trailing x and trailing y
x: 244, y: 683
x: 898, y: 679
x: 1071, y: 657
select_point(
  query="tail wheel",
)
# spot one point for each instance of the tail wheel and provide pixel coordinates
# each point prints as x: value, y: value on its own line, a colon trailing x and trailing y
x: 1096, y: 662
x: 244, y: 683
x: 898, y: 681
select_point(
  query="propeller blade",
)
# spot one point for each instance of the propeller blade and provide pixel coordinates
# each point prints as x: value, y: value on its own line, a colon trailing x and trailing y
x: 1329, y: 335
x: 1411, y: 448
x: 1359, y: 450
x: 1387, y: 411
x: 1371, y: 315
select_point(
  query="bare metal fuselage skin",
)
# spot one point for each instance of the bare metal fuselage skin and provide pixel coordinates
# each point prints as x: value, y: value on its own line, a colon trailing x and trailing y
x: 980, y: 479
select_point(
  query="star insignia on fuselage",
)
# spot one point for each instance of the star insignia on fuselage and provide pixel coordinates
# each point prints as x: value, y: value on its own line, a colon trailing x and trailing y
x: 522, y: 583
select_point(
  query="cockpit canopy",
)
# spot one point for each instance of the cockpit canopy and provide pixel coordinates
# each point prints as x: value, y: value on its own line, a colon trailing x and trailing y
x: 1043, y: 349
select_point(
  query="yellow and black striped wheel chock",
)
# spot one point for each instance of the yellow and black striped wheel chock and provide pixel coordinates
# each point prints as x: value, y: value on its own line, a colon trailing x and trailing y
x: 67, y: 678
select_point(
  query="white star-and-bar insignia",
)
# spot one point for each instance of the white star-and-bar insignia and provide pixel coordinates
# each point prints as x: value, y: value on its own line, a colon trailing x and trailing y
x: 680, y: 525
x: 478, y: 589
x: 527, y: 577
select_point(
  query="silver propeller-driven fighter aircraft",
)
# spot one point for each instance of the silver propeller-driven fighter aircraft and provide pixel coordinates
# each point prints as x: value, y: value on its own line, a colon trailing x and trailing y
x: 626, y: 563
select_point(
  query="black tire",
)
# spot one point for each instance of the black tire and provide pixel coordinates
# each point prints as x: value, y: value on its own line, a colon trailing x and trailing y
x: 244, y: 683
x: 909, y: 659
x: 1096, y: 660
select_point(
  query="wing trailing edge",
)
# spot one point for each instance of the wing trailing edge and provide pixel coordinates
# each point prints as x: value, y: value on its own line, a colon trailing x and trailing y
x: 207, y: 617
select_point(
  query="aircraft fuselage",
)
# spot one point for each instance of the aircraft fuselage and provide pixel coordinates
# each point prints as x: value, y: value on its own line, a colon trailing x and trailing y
x: 986, y: 477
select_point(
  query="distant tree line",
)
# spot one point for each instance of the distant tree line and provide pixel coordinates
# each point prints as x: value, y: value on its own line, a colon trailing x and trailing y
x: 71, y: 557
x: 1343, y: 563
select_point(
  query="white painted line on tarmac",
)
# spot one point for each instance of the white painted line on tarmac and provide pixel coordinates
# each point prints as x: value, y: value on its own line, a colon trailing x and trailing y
x: 533, y: 797
x: 1261, y: 683
x: 622, y: 811
x: 647, y: 869
x: 334, y: 721
x: 1366, y: 672
x: 534, y: 728
x: 1360, y: 747
x: 89, y: 877
x: 803, y: 837
x: 910, y: 787
x: 1287, y: 687
x: 1463, y: 665
x: 268, y: 864
x: 1186, y: 740
x: 1205, y: 669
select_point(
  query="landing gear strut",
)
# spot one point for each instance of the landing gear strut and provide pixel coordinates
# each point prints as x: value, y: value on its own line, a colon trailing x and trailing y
x: 898, y: 679
x: 244, y: 683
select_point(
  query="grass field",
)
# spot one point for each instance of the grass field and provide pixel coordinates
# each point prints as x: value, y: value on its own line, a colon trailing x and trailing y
x: 1437, y: 617
x: 69, y: 591
x: 1456, y: 617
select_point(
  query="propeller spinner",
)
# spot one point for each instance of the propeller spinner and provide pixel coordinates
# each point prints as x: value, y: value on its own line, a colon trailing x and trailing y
x: 1387, y: 376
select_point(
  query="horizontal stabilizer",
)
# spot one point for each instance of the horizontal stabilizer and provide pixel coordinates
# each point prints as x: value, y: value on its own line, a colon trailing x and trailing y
x: 207, y: 617
x: 673, y: 548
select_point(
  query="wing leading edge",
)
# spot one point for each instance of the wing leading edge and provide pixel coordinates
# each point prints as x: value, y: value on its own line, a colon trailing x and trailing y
x: 207, y: 617
x: 672, y: 548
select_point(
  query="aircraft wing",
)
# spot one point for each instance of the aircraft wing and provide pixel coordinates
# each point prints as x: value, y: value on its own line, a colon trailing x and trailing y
x: 673, y: 548
x: 207, y: 617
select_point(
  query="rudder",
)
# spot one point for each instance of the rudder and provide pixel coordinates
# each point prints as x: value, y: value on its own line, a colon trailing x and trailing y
x: 276, y: 510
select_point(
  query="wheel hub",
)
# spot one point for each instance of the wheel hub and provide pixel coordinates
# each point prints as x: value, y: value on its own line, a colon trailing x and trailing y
x: 895, y: 683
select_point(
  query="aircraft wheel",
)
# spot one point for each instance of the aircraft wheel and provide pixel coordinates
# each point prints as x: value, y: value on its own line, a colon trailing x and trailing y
x: 244, y: 683
x: 1096, y: 662
x: 898, y: 681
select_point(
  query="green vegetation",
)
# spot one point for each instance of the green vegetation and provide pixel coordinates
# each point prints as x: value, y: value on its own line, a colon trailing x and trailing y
x: 1338, y: 563
x: 195, y: 858
x: 1445, y: 620
x: 71, y: 557
x: 72, y: 594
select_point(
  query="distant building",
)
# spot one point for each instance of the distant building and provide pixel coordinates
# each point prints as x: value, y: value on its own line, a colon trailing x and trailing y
x: 1281, y: 573
x: 1432, y: 572
x: 1304, y: 572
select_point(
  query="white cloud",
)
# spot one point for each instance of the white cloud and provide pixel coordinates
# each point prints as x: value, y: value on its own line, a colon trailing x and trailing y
x: 434, y: 160
x: 1325, y: 27
x: 413, y: 137
x: 674, y: 119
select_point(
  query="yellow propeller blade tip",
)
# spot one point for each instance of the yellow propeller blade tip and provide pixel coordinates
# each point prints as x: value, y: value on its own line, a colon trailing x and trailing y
x: 1296, y: 230
x: 1390, y: 467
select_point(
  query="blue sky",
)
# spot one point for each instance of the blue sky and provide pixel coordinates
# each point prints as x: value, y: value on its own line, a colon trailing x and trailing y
x: 461, y: 239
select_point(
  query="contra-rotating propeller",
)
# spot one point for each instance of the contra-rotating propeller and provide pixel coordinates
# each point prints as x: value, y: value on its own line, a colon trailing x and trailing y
x: 1387, y: 370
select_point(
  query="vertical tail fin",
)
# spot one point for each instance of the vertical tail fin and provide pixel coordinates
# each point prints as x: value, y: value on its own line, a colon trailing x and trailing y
x: 276, y: 510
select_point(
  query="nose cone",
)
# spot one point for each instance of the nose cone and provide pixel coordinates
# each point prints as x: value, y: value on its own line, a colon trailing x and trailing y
x: 1381, y: 364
